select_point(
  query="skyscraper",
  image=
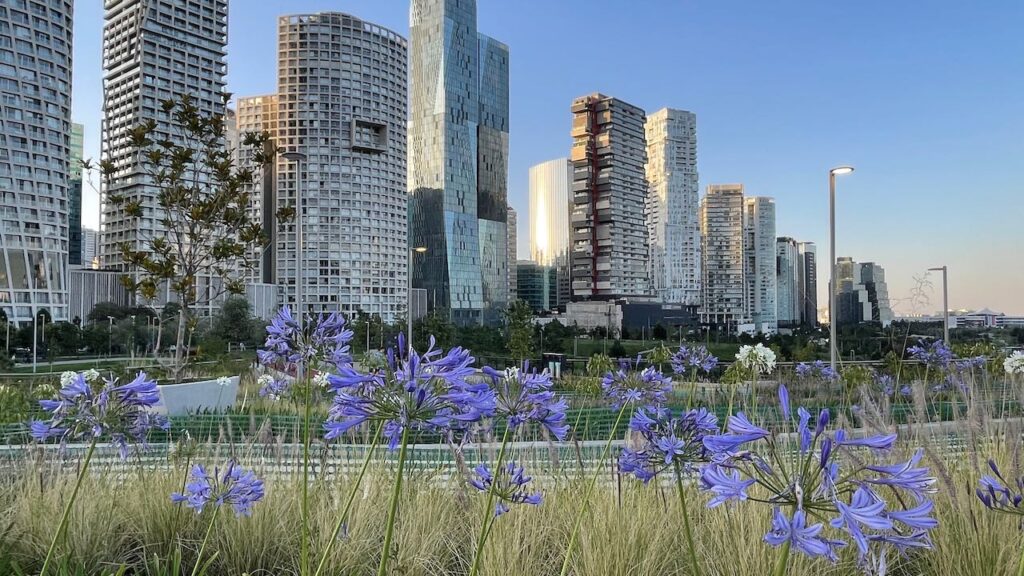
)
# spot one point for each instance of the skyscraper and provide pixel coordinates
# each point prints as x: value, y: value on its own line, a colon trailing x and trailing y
x: 90, y: 247
x: 152, y: 52
x: 75, y: 197
x: 789, y: 302
x: 863, y: 295
x: 672, y: 225
x: 259, y: 114
x: 458, y: 163
x: 511, y: 240
x: 808, y: 284
x: 550, y: 203
x: 759, y: 263
x: 35, y: 87
x: 341, y: 103
x: 609, y: 250
x: 723, y: 286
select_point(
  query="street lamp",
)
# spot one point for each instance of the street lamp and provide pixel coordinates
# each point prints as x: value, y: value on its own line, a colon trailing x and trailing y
x: 408, y: 297
x: 110, y: 336
x: 837, y: 171
x: 945, y: 304
x: 298, y: 158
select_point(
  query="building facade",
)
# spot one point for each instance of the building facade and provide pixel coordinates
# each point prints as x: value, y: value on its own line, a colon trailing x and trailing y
x: 342, y: 104
x: 550, y: 203
x: 90, y: 248
x: 673, y: 230
x: 153, y: 52
x: 723, y: 285
x: 35, y: 158
x: 458, y: 162
x: 863, y: 295
x: 808, y: 289
x: 537, y: 285
x: 259, y: 114
x: 759, y: 262
x: 511, y: 241
x: 75, y: 197
x: 787, y: 273
x: 609, y: 230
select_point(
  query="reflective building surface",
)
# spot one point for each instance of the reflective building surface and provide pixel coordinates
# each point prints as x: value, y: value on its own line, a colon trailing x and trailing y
x: 35, y: 157
x: 458, y: 161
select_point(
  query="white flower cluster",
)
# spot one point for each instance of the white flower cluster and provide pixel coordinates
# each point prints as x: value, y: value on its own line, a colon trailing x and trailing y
x: 91, y: 375
x: 66, y: 378
x: 321, y: 380
x: 223, y: 381
x: 1015, y: 363
x: 264, y: 380
x: 757, y: 358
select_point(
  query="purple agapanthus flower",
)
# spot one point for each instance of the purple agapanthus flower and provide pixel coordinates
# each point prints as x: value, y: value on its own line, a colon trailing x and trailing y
x: 236, y: 487
x: 324, y: 339
x: 125, y: 414
x: 523, y: 396
x: 815, y: 483
x: 510, y: 486
x: 935, y: 355
x: 696, y: 358
x: 430, y: 392
x: 816, y: 369
x: 668, y: 440
x: 647, y: 388
x: 1000, y: 495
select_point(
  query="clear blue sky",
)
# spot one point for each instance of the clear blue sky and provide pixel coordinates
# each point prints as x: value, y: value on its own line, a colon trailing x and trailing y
x: 926, y: 99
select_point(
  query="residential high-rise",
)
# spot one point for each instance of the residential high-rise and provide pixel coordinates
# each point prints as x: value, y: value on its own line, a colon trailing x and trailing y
x: 609, y: 242
x: 790, y: 289
x: 759, y: 262
x: 75, y: 197
x: 259, y: 114
x: 341, y: 103
x: 673, y: 229
x: 723, y: 286
x: 550, y: 204
x: 35, y: 132
x: 154, y: 52
x: 511, y: 240
x: 808, y: 284
x: 458, y: 162
x: 538, y: 285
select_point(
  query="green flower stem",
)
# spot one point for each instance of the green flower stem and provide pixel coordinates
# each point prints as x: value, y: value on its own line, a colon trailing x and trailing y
x: 304, y: 559
x: 389, y: 533
x: 780, y: 566
x: 351, y: 498
x: 1020, y: 567
x: 202, y: 548
x: 489, y: 509
x: 586, y: 495
x: 693, y: 389
x: 63, y: 526
x: 686, y: 519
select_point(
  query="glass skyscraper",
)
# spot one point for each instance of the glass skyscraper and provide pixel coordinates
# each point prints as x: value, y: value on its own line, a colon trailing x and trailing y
x: 75, y: 197
x: 35, y: 102
x: 458, y: 161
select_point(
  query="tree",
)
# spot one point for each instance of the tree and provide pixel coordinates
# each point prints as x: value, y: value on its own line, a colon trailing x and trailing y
x: 232, y: 323
x: 103, y: 310
x: 519, y: 329
x: 63, y: 339
x: 659, y: 332
x: 436, y: 324
x: 617, y: 350
x: 203, y: 206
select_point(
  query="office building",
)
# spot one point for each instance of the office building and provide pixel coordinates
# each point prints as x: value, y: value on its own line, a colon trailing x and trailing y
x: 511, y: 240
x: 787, y: 274
x: 808, y: 288
x: 609, y: 241
x: 759, y: 263
x: 537, y: 285
x: 341, y: 103
x: 75, y: 197
x: 673, y: 230
x: 863, y: 295
x: 90, y: 248
x: 550, y: 203
x: 154, y: 52
x: 458, y: 163
x: 723, y: 285
x: 35, y: 157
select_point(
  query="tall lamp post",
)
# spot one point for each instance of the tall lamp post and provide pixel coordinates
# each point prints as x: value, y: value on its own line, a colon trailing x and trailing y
x: 298, y: 158
x: 945, y: 304
x: 408, y: 297
x: 832, y: 289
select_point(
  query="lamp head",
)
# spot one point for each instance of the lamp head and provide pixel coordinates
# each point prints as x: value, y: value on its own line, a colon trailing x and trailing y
x: 419, y: 249
x: 840, y: 170
x: 294, y: 156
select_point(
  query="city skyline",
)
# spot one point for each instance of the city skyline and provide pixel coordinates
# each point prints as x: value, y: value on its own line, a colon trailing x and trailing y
x: 776, y: 122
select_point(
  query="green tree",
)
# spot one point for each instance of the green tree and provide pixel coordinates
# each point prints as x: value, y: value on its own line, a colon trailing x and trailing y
x: 436, y: 324
x: 617, y: 350
x: 233, y: 321
x: 519, y: 329
x: 63, y: 339
x: 102, y: 310
x: 203, y: 203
